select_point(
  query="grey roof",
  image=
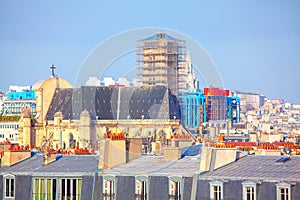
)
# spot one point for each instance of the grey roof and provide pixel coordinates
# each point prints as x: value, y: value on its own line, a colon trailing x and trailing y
x: 256, y: 167
x: 157, y: 165
x: 64, y: 164
x: 153, y: 102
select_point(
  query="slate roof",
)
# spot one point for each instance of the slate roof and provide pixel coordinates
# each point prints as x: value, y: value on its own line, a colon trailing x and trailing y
x: 153, y: 102
x: 64, y: 164
x: 156, y: 166
x: 256, y: 167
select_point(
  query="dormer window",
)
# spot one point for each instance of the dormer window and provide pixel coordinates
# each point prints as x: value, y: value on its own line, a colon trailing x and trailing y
x: 9, y: 186
x: 283, y: 191
x: 216, y: 190
x: 175, y: 188
x: 141, y: 189
x: 108, y: 187
x: 249, y: 190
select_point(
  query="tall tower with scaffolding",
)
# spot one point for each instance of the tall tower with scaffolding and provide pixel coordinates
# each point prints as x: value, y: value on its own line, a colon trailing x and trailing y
x: 161, y: 60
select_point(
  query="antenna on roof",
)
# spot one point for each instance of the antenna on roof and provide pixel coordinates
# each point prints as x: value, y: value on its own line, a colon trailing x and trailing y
x: 53, y: 71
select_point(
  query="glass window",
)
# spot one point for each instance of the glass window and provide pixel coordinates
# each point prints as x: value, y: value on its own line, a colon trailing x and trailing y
x: 175, y: 187
x: 216, y: 190
x: 141, y: 189
x: 108, y: 189
x: 249, y: 190
x: 174, y: 190
x: 283, y: 191
x: 249, y: 193
x: 44, y: 189
x: 9, y: 186
x: 70, y: 188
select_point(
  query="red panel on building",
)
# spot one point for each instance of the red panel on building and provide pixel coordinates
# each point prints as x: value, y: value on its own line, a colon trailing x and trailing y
x: 215, y: 92
x: 206, y: 91
x: 227, y: 93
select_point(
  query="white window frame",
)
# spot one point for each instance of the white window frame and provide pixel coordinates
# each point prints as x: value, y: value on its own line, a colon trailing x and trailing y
x: 175, y: 186
x: 109, y: 187
x: 11, y: 181
x: 78, y: 182
x: 249, y: 184
x: 283, y: 185
x: 141, y: 189
x: 214, y: 184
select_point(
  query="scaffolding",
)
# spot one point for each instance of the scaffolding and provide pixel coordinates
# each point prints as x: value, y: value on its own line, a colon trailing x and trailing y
x: 161, y: 60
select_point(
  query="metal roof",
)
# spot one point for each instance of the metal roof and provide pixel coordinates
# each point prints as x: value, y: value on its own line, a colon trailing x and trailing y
x: 256, y: 167
x: 157, y: 165
x: 63, y: 164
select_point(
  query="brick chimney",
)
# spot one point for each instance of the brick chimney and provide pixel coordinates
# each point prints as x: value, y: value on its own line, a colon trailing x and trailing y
x: 213, y: 158
x: 12, y: 157
x: 114, y: 152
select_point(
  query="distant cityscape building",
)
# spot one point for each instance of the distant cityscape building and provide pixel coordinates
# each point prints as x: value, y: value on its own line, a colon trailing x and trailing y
x: 124, y: 82
x: 136, y: 82
x: 18, y: 97
x: 1, y: 102
x: 162, y: 60
x: 93, y: 81
x: 213, y: 104
x: 9, y: 131
x: 12, y: 104
x: 107, y: 81
x: 192, y: 83
x: 249, y: 100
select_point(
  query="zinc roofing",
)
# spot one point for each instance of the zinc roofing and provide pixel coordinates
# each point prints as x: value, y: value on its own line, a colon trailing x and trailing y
x: 257, y: 167
x: 63, y: 164
x: 157, y: 165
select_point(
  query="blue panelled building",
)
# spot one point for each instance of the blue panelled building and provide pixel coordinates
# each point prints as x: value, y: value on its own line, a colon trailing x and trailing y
x: 16, y: 100
x: 201, y: 107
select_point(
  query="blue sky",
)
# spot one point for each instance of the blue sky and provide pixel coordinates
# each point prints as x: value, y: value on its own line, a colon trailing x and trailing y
x: 255, y: 44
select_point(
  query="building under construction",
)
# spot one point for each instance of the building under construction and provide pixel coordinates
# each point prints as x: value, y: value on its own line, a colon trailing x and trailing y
x: 161, y: 60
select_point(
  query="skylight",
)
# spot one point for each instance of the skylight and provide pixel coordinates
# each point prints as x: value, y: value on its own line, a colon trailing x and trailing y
x: 283, y: 159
